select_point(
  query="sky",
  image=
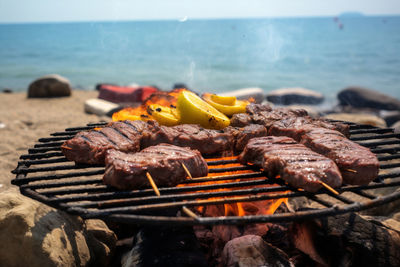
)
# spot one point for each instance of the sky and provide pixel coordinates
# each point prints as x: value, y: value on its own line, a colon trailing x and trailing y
x: 16, y: 11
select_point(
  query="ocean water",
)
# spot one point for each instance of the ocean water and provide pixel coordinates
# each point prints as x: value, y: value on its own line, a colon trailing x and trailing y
x: 208, y: 55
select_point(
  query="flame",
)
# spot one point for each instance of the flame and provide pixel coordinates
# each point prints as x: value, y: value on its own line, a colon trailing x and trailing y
x: 263, y: 207
x: 161, y: 98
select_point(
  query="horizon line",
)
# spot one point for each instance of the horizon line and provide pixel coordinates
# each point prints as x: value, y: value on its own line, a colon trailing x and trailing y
x: 200, y: 18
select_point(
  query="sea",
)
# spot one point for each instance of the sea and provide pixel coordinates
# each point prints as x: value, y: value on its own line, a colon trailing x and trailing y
x: 325, y: 54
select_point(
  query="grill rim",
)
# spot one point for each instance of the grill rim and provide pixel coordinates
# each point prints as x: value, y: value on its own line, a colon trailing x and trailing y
x: 43, y: 153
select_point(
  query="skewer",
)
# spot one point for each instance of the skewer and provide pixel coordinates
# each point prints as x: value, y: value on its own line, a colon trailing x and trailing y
x: 351, y: 170
x: 189, y: 213
x: 329, y: 188
x: 187, y: 172
x: 153, y: 184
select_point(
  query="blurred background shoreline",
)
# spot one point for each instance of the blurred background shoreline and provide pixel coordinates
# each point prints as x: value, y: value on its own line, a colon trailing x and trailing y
x: 324, y: 54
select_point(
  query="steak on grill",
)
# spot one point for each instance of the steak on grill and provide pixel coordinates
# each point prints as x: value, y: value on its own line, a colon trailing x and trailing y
x: 298, y: 165
x: 127, y: 171
x: 188, y: 135
x: 241, y: 136
x: 358, y: 164
x: 265, y: 115
x: 90, y: 146
x: 132, y: 136
x: 205, y: 140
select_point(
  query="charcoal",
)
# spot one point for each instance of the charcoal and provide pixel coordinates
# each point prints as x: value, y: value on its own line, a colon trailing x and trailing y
x: 165, y: 246
x: 347, y: 240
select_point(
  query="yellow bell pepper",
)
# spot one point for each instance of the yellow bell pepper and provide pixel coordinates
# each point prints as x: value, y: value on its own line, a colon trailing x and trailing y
x: 192, y: 109
x: 163, y: 115
x: 238, y: 106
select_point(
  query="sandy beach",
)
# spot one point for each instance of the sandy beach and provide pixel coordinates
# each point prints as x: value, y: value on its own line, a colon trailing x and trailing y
x: 23, y: 121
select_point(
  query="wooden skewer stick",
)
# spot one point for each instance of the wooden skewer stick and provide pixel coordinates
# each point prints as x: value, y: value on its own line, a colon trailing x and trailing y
x: 329, y: 188
x: 189, y: 213
x: 351, y: 170
x: 187, y: 172
x: 153, y: 184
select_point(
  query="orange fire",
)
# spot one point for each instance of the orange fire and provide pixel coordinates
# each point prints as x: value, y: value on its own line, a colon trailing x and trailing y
x: 263, y: 207
x: 161, y: 98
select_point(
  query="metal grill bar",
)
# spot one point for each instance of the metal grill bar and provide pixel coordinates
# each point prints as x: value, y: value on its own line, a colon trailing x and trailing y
x: 372, y: 137
x: 386, y: 158
x: 41, y: 155
x: 49, y: 144
x: 184, y: 197
x: 54, y: 168
x: 42, y: 161
x: 173, y: 190
x: 43, y: 149
x: 373, y: 130
x: 68, y: 134
x: 78, y: 189
x: 51, y: 139
x: 25, y: 180
x: 380, y: 143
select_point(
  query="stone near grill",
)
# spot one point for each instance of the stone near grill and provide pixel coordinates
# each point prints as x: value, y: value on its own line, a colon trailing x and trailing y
x: 366, y: 98
x: 33, y: 234
x: 360, y: 118
x: 52, y: 85
x: 296, y: 95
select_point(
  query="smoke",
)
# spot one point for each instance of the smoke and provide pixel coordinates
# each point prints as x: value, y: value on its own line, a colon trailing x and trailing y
x: 271, y: 43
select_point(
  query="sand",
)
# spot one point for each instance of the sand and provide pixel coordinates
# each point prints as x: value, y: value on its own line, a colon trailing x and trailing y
x: 23, y: 121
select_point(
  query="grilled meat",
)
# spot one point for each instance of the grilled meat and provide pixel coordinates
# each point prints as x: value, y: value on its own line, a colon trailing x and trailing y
x: 90, y: 146
x: 132, y: 136
x: 358, y: 164
x: 298, y: 165
x: 241, y: 136
x: 295, y: 127
x: 265, y: 115
x: 241, y: 120
x: 127, y: 171
x: 189, y: 135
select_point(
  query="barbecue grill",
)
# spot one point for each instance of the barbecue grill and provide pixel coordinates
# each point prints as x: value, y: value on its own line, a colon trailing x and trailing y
x: 44, y: 174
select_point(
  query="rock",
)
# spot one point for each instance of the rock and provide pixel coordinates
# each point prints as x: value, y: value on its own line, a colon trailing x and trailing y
x: 246, y: 93
x: 52, y: 85
x: 296, y: 95
x: 391, y: 117
x: 7, y: 91
x: 252, y: 250
x: 33, y: 234
x: 367, y: 98
x: 396, y: 127
x: 99, y: 106
x: 358, y: 118
x: 180, y: 86
x: 101, y: 242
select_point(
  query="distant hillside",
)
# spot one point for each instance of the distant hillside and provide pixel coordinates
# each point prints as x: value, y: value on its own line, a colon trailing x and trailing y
x: 351, y: 14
